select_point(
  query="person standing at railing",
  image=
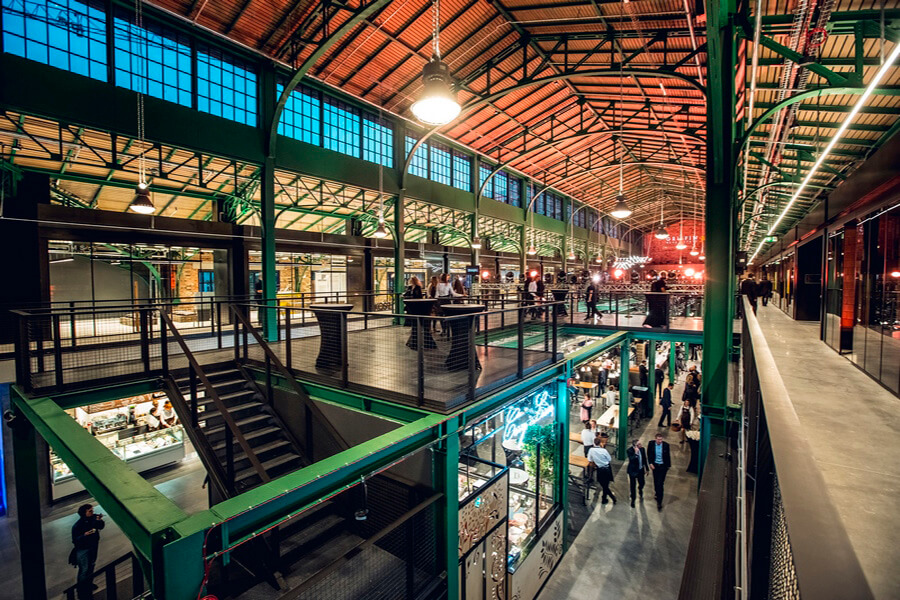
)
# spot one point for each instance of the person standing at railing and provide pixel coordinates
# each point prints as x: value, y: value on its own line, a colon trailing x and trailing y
x: 459, y: 290
x: 414, y: 289
x: 656, y: 303
x: 86, y: 539
x: 751, y: 290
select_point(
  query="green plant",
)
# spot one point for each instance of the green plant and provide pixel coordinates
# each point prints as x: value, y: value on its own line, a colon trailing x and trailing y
x: 545, y: 435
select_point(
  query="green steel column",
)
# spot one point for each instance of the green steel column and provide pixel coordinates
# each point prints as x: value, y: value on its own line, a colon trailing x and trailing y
x: 267, y: 246
x: 672, y: 362
x: 624, y: 357
x: 565, y: 254
x: 651, y: 380
x: 399, y: 254
x: 562, y: 477
x: 268, y: 101
x: 448, y: 469
x: 719, y: 226
x: 28, y: 509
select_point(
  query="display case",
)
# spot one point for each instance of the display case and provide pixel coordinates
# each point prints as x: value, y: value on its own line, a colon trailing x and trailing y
x: 115, y: 425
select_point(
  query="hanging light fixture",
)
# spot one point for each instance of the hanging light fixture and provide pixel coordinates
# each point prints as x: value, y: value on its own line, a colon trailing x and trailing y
x: 380, y: 231
x: 681, y: 245
x: 621, y: 210
x: 661, y: 233
x: 476, y: 243
x: 141, y: 203
x: 531, y: 250
x: 694, y: 251
x: 437, y: 105
x: 571, y: 256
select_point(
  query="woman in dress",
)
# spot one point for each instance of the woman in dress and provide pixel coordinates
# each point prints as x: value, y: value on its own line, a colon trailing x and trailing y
x: 657, y: 302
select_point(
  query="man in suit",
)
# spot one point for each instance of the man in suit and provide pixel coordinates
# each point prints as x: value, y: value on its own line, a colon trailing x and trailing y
x: 637, y: 468
x: 660, y: 376
x: 660, y: 461
x: 666, y: 403
x: 602, y: 376
x: 644, y: 373
x: 590, y: 299
x: 751, y: 290
x: 765, y: 290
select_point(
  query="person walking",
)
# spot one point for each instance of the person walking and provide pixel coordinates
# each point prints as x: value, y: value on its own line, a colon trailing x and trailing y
x: 692, y: 386
x: 666, y: 404
x: 601, y: 459
x: 602, y: 376
x: 660, y: 376
x: 644, y: 373
x: 765, y: 290
x: 637, y: 469
x: 660, y: 460
x: 590, y: 299
x: 751, y: 290
x: 86, y: 539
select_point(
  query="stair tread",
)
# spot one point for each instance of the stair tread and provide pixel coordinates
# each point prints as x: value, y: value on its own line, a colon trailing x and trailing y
x: 267, y: 465
x: 213, y: 411
x: 311, y: 563
x: 249, y: 435
x: 239, y: 422
x: 314, y: 529
x: 268, y: 446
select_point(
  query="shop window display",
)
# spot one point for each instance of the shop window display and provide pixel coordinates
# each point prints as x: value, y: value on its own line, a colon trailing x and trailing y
x: 126, y: 427
x: 522, y: 438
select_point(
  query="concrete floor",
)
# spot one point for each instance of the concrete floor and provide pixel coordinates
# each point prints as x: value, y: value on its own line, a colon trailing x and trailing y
x: 851, y: 423
x: 632, y: 553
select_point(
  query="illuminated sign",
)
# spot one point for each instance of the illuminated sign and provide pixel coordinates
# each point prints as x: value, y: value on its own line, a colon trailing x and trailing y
x: 520, y: 415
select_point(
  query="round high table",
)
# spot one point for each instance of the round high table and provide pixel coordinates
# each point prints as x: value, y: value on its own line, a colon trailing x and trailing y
x: 461, y: 334
x: 560, y: 296
x: 420, y: 308
x: 331, y: 342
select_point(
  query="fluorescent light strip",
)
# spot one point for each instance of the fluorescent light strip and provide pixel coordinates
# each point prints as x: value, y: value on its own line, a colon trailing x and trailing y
x: 834, y: 140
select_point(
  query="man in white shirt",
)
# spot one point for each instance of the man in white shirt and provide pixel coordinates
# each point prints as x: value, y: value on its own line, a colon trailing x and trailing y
x: 587, y: 438
x: 601, y: 459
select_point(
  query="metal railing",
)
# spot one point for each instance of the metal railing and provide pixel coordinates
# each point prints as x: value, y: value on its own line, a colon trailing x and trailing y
x: 792, y: 540
x: 416, y: 358
x: 133, y: 585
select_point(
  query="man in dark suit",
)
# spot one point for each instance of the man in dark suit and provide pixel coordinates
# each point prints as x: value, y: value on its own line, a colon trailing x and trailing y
x: 660, y: 377
x: 637, y: 468
x: 660, y: 461
x: 602, y: 376
x: 644, y: 373
x: 751, y: 290
x: 765, y: 290
x: 666, y: 403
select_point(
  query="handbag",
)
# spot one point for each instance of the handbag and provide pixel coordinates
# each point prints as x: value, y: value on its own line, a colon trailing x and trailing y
x: 73, y: 557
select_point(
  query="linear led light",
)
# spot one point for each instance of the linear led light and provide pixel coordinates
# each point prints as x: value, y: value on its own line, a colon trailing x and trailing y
x: 834, y: 140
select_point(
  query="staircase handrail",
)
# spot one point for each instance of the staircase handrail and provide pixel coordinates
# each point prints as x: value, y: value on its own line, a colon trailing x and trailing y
x: 214, y: 396
x: 289, y: 377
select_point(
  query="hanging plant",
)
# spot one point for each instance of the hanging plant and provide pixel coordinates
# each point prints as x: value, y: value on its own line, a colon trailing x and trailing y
x: 545, y: 435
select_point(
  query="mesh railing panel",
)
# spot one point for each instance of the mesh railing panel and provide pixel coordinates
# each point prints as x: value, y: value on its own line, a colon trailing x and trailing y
x: 782, y: 576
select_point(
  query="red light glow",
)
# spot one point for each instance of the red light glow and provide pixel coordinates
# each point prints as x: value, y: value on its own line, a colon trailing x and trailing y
x: 689, y: 272
x: 617, y: 273
x: 533, y: 273
x: 485, y: 274
x: 698, y: 275
x: 895, y: 273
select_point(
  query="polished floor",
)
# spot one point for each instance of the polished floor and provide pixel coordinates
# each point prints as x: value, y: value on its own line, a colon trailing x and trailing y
x: 851, y: 423
x: 632, y: 553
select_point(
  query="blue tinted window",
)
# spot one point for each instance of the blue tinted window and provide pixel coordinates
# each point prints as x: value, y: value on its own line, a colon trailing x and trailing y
x: 378, y: 141
x: 515, y: 191
x: 462, y: 171
x: 340, y: 127
x: 65, y: 34
x: 301, y: 118
x: 419, y: 164
x: 226, y: 86
x: 529, y: 194
x: 483, y: 172
x: 501, y: 189
x: 153, y: 60
x: 440, y: 163
x: 206, y: 280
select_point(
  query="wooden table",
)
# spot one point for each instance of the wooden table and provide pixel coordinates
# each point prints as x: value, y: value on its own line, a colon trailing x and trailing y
x: 331, y: 340
x: 612, y: 413
x: 586, y: 385
x: 579, y: 460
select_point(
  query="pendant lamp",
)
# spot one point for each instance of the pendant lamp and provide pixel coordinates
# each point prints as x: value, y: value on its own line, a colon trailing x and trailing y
x: 437, y: 104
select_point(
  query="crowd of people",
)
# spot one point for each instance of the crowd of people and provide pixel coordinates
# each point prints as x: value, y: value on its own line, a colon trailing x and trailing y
x: 656, y: 458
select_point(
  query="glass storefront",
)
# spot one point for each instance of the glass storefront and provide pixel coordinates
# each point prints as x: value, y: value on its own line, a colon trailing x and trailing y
x: 304, y: 273
x: 99, y: 272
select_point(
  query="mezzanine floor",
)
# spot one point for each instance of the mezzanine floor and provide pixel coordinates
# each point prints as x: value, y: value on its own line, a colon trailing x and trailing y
x: 851, y: 423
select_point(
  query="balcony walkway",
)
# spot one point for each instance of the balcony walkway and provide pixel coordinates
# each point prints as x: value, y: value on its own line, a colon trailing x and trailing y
x: 851, y: 423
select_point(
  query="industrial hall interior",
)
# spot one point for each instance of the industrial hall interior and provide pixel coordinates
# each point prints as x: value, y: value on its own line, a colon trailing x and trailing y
x: 449, y: 299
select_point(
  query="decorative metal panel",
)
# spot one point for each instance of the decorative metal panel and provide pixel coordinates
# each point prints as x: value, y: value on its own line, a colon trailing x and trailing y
x: 480, y: 514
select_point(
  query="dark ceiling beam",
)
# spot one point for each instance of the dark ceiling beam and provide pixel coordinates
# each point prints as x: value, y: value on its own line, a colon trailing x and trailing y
x: 237, y: 17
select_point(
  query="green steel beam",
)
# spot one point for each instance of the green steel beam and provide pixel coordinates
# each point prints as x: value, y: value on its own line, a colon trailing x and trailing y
x: 143, y: 514
x: 847, y: 16
x: 651, y: 377
x: 718, y: 318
